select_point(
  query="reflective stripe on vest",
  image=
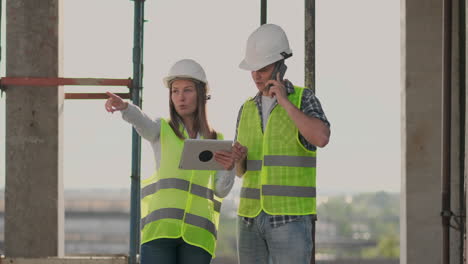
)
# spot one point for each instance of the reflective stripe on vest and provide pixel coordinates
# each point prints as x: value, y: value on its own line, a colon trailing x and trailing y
x: 278, y: 190
x: 217, y: 205
x: 176, y: 213
x: 253, y: 165
x: 289, y: 161
x: 174, y: 183
x: 250, y: 193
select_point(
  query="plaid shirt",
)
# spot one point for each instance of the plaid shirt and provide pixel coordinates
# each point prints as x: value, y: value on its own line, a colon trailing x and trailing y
x: 310, y: 105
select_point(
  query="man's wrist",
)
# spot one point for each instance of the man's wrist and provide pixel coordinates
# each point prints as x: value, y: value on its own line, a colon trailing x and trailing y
x: 286, y: 104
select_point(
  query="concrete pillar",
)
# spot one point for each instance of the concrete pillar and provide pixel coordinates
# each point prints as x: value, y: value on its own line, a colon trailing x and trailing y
x: 34, y: 186
x: 421, y: 82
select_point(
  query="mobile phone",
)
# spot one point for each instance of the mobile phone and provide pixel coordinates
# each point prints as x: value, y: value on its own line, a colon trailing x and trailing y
x: 280, y: 68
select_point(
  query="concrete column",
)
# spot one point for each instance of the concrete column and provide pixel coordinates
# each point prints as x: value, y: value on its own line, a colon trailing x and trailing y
x: 421, y: 82
x: 34, y: 186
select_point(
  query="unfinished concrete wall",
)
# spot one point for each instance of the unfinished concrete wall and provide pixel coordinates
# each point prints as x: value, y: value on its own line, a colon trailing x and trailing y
x: 34, y: 188
x: 421, y: 77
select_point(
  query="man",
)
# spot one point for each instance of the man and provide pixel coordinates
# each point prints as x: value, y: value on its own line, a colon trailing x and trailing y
x: 277, y: 134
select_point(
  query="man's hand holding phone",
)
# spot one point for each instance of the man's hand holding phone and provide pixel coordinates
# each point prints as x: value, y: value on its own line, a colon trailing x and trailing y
x: 278, y: 90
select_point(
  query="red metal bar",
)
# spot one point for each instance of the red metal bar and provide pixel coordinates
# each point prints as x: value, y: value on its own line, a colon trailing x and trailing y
x: 94, y: 95
x: 32, y: 81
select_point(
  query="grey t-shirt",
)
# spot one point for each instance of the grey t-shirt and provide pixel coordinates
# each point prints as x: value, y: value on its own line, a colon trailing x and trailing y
x: 267, y: 105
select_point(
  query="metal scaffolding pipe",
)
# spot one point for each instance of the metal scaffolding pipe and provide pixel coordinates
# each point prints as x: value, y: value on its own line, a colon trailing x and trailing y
x: 462, y: 120
x: 309, y: 69
x: 35, y: 81
x: 263, y: 12
x: 136, y: 140
x: 94, y: 95
x: 446, y: 127
x: 309, y: 41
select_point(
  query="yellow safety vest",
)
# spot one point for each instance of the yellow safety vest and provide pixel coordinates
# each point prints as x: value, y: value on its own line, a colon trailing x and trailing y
x: 179, y: 203
x: 280, y: 172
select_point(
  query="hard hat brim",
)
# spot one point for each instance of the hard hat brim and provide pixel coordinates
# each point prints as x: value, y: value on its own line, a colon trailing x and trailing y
x: 167, y: 80
x: 245, y: 66
x: 255, y: 67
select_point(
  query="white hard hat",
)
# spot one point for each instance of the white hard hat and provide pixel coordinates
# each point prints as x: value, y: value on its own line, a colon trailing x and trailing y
x: 266, y: 45
x: 185, y: 68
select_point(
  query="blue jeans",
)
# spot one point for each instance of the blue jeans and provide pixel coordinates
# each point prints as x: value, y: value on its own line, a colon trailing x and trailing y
x: 172, y: 251
x: 259, y: 243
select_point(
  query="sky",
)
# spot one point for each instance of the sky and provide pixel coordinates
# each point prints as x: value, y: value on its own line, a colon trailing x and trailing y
x: 357, y: 70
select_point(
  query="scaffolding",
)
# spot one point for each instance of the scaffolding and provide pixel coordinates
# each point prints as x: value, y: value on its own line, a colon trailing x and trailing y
x: 135, y: 86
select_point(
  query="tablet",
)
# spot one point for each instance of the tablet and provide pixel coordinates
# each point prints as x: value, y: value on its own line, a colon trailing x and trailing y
x: 198, y: 154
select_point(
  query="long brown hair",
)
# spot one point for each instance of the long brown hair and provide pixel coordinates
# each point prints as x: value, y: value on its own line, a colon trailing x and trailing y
x: 201, y: 124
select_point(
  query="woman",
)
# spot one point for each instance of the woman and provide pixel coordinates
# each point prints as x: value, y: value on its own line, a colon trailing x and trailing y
x: 179, y: 208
